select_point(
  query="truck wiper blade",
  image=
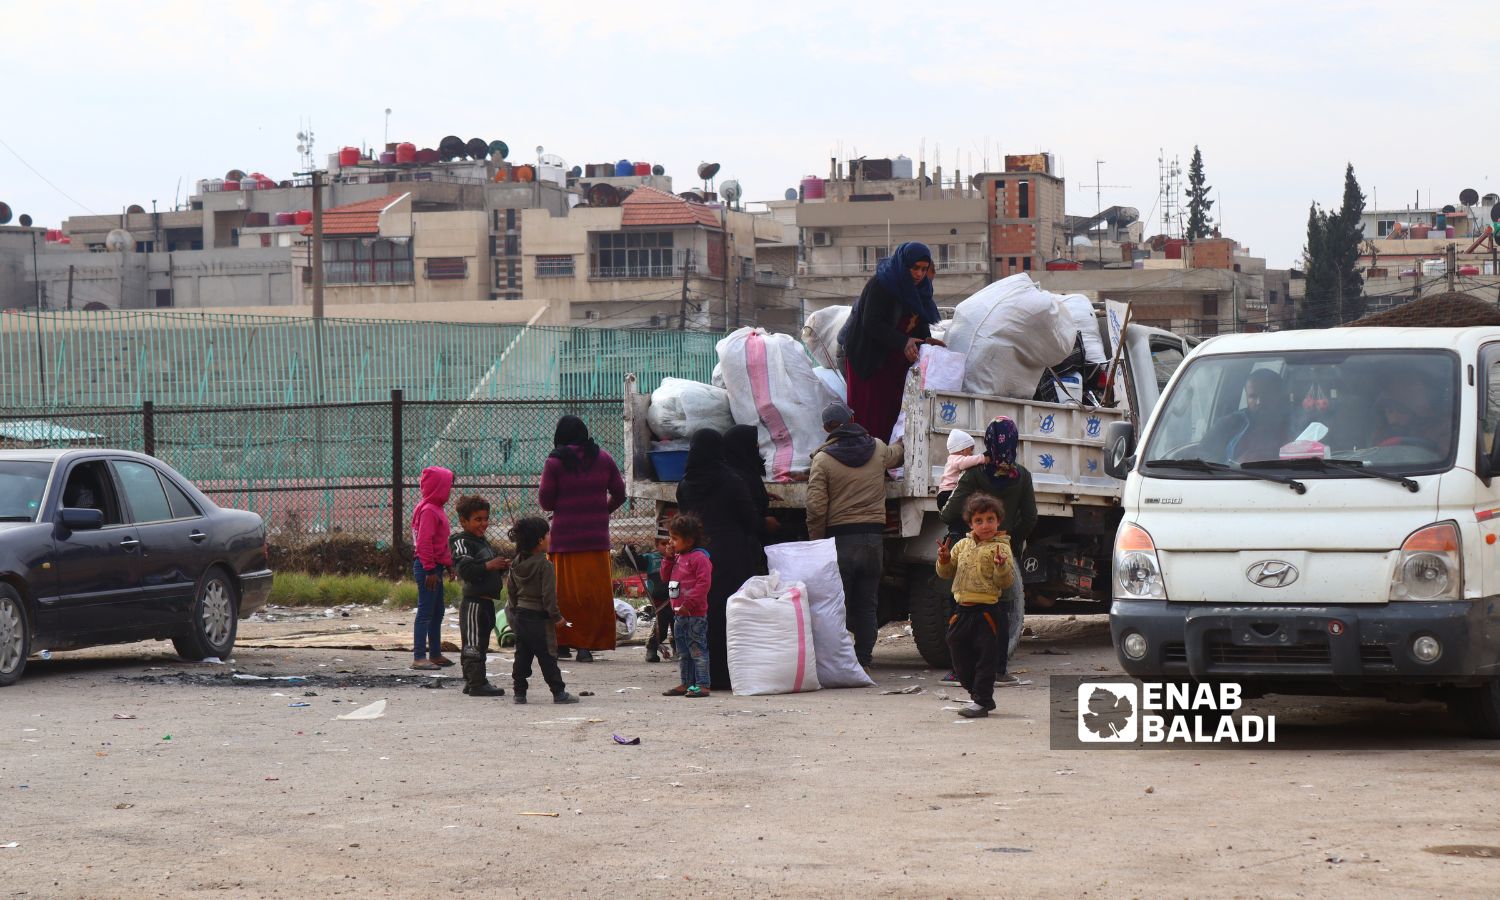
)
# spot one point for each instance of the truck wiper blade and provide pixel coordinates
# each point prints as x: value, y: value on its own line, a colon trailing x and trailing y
x: 1203, y: 465
x: 1344, y: 465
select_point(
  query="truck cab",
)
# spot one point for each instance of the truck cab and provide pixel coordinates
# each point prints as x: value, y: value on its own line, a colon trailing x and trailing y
x: 1317, y: 512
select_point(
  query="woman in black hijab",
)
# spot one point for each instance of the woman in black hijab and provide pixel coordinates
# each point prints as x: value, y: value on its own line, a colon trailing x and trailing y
x: 742, y: 452
x: 717, y: 495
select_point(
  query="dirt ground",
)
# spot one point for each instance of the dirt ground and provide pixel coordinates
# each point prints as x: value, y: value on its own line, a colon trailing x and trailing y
x: 223, y: 787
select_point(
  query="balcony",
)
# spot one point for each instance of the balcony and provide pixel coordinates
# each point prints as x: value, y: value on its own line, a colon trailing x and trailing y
x: 638, y: 264
x: 773, y: 280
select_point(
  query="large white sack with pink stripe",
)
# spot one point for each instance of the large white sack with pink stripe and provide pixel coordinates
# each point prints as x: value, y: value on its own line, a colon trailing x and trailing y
x: 816, y: 564
x: 772, y: 386
x: 770, y: 638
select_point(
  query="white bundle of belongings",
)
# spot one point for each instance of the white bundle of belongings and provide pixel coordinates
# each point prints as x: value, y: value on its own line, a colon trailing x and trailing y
x: 680, y: 407
x: 1009, y: 333
x: 816, y: 564
x: 625, y: 620
x: 1082, y: 313
x: 771, y: 385
x: 770, y: 637
x: 820, y: 335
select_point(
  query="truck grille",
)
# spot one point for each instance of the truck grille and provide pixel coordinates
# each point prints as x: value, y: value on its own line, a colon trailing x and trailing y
x: 1376, y: 655
x: 1225, y: 653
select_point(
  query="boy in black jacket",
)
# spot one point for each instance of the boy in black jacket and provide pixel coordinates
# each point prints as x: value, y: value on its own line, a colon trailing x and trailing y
x: 480, y: 568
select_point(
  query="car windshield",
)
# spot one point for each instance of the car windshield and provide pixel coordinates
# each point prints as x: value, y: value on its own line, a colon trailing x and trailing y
x: 21, y: 485
x: 1389, y: 411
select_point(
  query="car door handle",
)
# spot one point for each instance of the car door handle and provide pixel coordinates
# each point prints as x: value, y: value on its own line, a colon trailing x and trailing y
x: 197, y: 537
x: 130, y: 543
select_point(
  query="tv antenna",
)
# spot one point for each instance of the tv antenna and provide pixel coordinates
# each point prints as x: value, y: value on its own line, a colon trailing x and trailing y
x: 305, y: 140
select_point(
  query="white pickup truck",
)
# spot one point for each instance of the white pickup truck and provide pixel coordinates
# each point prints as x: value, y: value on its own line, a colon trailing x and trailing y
x: 1078, y: 504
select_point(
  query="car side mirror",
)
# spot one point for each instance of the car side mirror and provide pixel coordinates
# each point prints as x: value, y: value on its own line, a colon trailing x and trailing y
x: 79, y: 519
x: 1119, y: 447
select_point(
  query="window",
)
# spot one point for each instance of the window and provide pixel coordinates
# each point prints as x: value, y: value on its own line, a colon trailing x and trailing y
x: 1025, y: 264
x: 512, y: 245
x: 1384, y: 227
x: 143, y: 491
x: 1023, y: 199
x: 1274, y: 298
x: 163, y: 297
x: 747, y: 268
x: 943, y: 255
x: 90, y: 486
x: 871, y: 257
x: 366, y: 261
x: 182, y: 506
x: 510, y: 220
x: 145, y: 246
x: 1489, y: 415
x: 447, y: 268
x: 632, y: 254
x: 554, y: 267
x: 1211, y: 305
x: 1011, y: 264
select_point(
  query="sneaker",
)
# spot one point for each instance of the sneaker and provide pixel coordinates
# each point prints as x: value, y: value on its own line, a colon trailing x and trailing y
x: 484, y: 690
x: 974, y: 711
x: 585, y: 656
x: 564, y: 697
x: 425, y: 665
x: 695, y: 691
x: 1006, y: 681
x: 519, y: 698
x: 950, y: 679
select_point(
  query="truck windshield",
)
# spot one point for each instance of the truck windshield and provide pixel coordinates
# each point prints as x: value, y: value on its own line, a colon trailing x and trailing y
x: 21, y: 486
x: 1384, y: 410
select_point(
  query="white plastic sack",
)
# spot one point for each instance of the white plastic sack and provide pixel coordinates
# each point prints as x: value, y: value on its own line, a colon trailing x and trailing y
x: 1009, y: 332
x: 772, y: 386
x: 942, y: 369
x: 820, y: 335
x: 1081, y: 311
x: 680, y: 407
x: 625, y: 619
x: 834, y: 381
x: 770, y: 638
x: 816, y: 564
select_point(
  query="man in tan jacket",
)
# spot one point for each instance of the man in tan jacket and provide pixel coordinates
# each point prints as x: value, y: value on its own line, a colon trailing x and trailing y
x: 846, y: 501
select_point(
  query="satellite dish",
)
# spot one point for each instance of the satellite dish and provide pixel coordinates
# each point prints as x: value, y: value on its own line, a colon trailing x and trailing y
x: 25, y: 221
x: 498, y: 148
x: 135, y: 209
x: 1081, y: 241
x: 285, y: 184
x: 603, y: 195
x: 730, y: 190
x: 451, y: 147
x: 4, y: 213
x: 575, y: 172
x: 791, y: 194
x: 1449, y: 207
x: 625, y: 192
x: 658, y: 170
x: 552, y: 159
x: 707, y: 170
x: 478, y: 148
x: 119, y: 241
x: 234, y: 175
x: 1468, y: 196
x: 1127, y: 215
x: 691, y: 196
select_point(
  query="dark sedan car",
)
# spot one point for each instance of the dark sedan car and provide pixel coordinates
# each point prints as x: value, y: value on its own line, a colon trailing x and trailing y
x: 109, y: 546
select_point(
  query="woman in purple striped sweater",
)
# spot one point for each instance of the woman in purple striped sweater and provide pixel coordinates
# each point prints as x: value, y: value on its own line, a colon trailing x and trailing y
x: 581, y: 486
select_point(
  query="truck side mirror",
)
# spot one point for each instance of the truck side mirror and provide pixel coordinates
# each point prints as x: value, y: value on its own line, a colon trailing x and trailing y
x: 1119, y: 447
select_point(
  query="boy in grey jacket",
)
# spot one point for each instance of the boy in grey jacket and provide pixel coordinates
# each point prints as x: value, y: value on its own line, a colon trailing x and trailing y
x: 531, y: 609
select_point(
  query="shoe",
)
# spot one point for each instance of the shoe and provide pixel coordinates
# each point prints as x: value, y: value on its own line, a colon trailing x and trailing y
x: 564, y: 652
x: 950, y: 679
x: 653, y: 658
x: 519, y: 698
x: 1006, y: 681
x: 425, y: 665
x: 585, y: 656
x: 484, y: 690
x: 694, y: 692
x: 678, y: 691
x: 974, y: 711
x: 442, y: 661
x: 564, y: 697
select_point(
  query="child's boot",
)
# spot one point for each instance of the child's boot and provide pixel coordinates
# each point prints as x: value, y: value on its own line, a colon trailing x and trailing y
x: 564, y: 697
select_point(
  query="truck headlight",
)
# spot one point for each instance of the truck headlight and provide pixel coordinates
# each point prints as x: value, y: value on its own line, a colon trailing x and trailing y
x: 1429, y: 567
x: 1137, y: 568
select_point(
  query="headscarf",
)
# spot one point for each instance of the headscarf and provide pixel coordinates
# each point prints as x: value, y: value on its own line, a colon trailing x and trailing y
x: 1001, y: 441
x: 705, y: 459
x: 894, y: 274
x: 742, y: 453
x: 572, y: 445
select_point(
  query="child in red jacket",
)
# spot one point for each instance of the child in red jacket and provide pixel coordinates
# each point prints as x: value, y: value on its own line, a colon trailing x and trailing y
x: 430, y: 559
x: 687, y: 570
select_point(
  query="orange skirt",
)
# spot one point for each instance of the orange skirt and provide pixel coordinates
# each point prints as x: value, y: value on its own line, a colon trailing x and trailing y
x: 586, y: 597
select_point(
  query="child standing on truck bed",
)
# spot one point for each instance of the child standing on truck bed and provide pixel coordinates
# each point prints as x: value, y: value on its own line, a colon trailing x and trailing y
x: 982, y: 569
x: 961, y: 458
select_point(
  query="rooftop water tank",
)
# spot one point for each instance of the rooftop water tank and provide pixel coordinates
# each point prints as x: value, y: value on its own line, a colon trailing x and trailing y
x: 349, y: 156
x: 642, y: 168
x: 406, y: 153
x: 901, y: 167
x: 812, y: 188
x: 624, y: 168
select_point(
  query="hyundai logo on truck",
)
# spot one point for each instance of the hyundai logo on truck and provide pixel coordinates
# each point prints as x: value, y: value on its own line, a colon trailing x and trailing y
x: 1272, y: 573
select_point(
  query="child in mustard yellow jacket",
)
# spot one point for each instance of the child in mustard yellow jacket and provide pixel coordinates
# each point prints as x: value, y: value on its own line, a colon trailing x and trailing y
x: 982, y: 568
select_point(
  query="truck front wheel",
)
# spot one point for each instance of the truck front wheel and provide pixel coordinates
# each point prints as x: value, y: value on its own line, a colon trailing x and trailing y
x: 1479, y: 708
x: 927, y: 604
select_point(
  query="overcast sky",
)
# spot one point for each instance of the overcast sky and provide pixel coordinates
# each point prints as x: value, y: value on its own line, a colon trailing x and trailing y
x: 114, y: 103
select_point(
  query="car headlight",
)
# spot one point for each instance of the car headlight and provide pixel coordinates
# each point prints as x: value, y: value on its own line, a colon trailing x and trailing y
x: 1137, y: 568
x: 1429, y: 566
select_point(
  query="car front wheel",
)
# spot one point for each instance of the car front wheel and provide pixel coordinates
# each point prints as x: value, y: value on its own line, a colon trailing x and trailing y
x: 212, y: 629
x: 15, y: 636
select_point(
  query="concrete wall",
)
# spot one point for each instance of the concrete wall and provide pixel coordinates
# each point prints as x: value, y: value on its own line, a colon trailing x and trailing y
x: 207, y: 278
x: 450, y: 234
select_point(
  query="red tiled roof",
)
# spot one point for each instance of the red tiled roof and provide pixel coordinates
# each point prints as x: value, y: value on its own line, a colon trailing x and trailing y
x: 649, y: 206
x: 355, y: 219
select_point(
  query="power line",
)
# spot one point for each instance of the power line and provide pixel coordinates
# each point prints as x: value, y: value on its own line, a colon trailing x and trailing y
x: 43, y: 177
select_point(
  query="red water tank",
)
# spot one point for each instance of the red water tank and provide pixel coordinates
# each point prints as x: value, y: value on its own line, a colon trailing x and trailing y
x: 406, y: 153
x: 1063, y: 265
x: 286, y: 218
x: 349, y: 156
x: 1174, y: 247
x: 642, y: 168
x: 427, y: 156
x: 231, y: 185
x: 304, y: 217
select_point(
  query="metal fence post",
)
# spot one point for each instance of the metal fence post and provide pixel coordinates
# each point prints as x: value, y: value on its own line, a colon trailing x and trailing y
x: 398, y: 506
x: 148, y: 427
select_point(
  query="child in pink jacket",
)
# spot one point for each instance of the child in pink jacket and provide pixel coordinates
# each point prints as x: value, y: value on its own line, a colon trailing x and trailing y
x: 430, y: 559
x: 687, y: 570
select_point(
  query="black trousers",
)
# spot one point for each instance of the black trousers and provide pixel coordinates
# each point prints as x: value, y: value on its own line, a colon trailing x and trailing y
x: 976, y: 641
x: 476, y: 619
x: 531, y: 629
